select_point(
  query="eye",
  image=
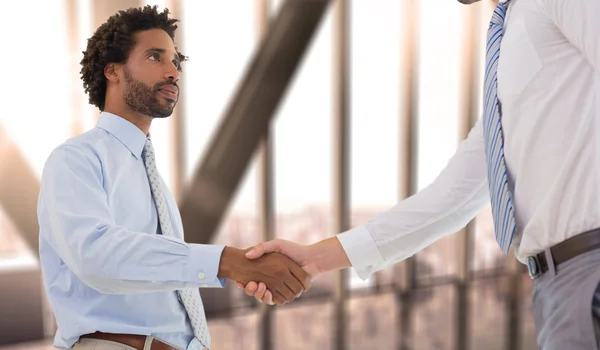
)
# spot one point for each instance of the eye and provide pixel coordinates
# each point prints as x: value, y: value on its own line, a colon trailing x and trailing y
x: 154, y: 57
x: 177, y: 64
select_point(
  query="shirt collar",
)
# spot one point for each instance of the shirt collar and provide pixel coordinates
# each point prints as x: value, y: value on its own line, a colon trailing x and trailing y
x: 130, y: 135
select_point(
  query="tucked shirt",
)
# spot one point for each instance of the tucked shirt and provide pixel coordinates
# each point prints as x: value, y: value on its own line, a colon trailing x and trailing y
x: 105, y: 265
x: 549, y: 92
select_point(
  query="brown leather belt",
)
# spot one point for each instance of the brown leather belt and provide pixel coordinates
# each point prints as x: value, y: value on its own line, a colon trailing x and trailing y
x: 134, y: 340
x: 568, y: 249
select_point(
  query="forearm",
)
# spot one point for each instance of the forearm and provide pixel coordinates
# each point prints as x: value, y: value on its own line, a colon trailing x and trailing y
x: 442, y: 208
x: 118, y: 261
x: 329, y: 255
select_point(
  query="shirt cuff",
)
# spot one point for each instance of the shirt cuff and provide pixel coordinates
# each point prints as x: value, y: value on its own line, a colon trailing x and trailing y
x: 203, y: 265
x: 361, y: 251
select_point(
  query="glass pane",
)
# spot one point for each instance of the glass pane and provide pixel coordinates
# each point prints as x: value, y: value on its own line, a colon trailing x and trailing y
x: 215, y: 67
x: 433, y: 318
x: 487, y: 254
x: 212, y: 75
x: 373, y: 322
x: 439, y: 259
x: 438, y: 115
x: 13, y: 249
x: 233, y: 333
x: 374, y: 53
x: 303, y: 327
x: 28, y: 124
x: 487, y: 315
x: 527, y: 324
x: 303, y: 153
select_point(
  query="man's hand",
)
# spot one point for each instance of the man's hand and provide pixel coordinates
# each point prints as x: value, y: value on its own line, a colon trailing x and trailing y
x: 284, y: 278
x: 300, y: 254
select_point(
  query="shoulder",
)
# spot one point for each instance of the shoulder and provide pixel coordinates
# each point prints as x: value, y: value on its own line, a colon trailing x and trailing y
x: 77, y: 153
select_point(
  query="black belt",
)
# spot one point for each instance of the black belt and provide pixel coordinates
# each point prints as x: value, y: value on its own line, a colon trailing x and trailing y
x: 570, y: 248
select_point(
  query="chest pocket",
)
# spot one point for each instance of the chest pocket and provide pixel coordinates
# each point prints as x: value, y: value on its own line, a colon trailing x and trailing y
x: 519, y: 61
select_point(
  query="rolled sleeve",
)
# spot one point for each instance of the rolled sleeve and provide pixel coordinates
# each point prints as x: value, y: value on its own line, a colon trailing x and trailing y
x: 203, y: 265
x: 361, y: 251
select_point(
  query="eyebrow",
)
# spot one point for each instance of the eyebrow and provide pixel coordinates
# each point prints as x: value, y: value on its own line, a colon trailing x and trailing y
x: 160, y: 51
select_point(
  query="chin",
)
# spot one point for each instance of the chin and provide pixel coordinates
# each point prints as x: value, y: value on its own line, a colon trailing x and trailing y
x: 161, y: 116
x: 165, y: 113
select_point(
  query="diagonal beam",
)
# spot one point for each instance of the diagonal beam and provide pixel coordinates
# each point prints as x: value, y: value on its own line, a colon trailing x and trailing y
x: 247, y: 118
x: 19, y: 188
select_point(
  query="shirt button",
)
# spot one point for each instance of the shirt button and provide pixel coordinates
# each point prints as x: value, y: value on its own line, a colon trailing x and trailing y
x: 201, y: 276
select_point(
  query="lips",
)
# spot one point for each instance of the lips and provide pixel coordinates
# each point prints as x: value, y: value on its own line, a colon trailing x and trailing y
x: 170, y: 88
x: 170, y: 91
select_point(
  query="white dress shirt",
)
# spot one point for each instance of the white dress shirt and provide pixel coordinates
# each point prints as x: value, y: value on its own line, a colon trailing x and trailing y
x: 548, y: 87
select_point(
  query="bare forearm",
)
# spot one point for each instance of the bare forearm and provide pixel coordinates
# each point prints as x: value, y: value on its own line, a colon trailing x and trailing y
x: 329, y: 255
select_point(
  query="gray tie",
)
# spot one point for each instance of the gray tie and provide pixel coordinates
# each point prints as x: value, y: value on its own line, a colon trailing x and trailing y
x: 189, y: 297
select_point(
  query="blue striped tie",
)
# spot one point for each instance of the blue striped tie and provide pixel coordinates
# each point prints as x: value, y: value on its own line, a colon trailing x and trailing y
x: 501, y: 198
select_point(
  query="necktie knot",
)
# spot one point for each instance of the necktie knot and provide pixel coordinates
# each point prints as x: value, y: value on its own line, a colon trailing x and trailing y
x: 148, y: 149
x: 148, y: 152
x: 499, y: 13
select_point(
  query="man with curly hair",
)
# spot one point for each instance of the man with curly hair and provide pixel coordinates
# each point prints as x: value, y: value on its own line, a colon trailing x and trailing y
x: 115, y: 265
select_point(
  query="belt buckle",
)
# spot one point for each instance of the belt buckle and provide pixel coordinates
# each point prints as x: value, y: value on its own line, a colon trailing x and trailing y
x: 533, y: 267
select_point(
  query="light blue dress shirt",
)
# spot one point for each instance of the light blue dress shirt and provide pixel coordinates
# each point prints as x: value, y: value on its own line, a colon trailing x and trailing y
x: 105, y: 265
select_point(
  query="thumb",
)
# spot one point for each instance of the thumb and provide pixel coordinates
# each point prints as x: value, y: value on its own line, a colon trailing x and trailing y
x: 263, y: 248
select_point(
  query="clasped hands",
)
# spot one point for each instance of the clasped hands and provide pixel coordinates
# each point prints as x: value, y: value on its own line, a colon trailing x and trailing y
x: 269, y: 289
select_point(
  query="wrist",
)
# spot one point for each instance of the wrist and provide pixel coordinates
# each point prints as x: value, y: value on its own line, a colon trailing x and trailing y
x: 229, y: 262
x: 328, y: 255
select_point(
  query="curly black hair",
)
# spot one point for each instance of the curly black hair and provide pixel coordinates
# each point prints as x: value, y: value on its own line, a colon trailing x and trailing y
x: 113, y: 41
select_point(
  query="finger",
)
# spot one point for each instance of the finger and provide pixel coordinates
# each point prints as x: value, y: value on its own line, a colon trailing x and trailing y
x: 278, y: 299
x: 301, y: 276
x: 251, y: 288
x: 268, y: 298
x: 263, y: 248
x: 285, y: 291
x: 294, y: 285
x: 260, y: 291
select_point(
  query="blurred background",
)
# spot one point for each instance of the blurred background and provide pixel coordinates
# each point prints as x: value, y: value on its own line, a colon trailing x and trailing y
x: 338, y: 110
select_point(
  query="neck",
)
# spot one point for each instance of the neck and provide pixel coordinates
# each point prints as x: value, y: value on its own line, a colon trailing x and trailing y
x: 142, y: 121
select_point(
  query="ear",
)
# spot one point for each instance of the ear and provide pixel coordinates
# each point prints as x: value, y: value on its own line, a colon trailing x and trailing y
x: 111, y: 72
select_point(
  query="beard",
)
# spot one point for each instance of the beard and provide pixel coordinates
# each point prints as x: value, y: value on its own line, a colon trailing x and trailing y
x: 144, y: 99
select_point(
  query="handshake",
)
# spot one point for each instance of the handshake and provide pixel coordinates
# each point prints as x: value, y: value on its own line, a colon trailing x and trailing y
x: 279, y: 271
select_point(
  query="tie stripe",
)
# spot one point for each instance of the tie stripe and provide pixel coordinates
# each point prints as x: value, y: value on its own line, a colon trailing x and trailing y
x: 190, y: 298
x: 501, y: 198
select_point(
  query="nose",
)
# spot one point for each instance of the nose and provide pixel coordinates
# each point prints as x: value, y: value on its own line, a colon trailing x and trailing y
x: 172, y: 73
